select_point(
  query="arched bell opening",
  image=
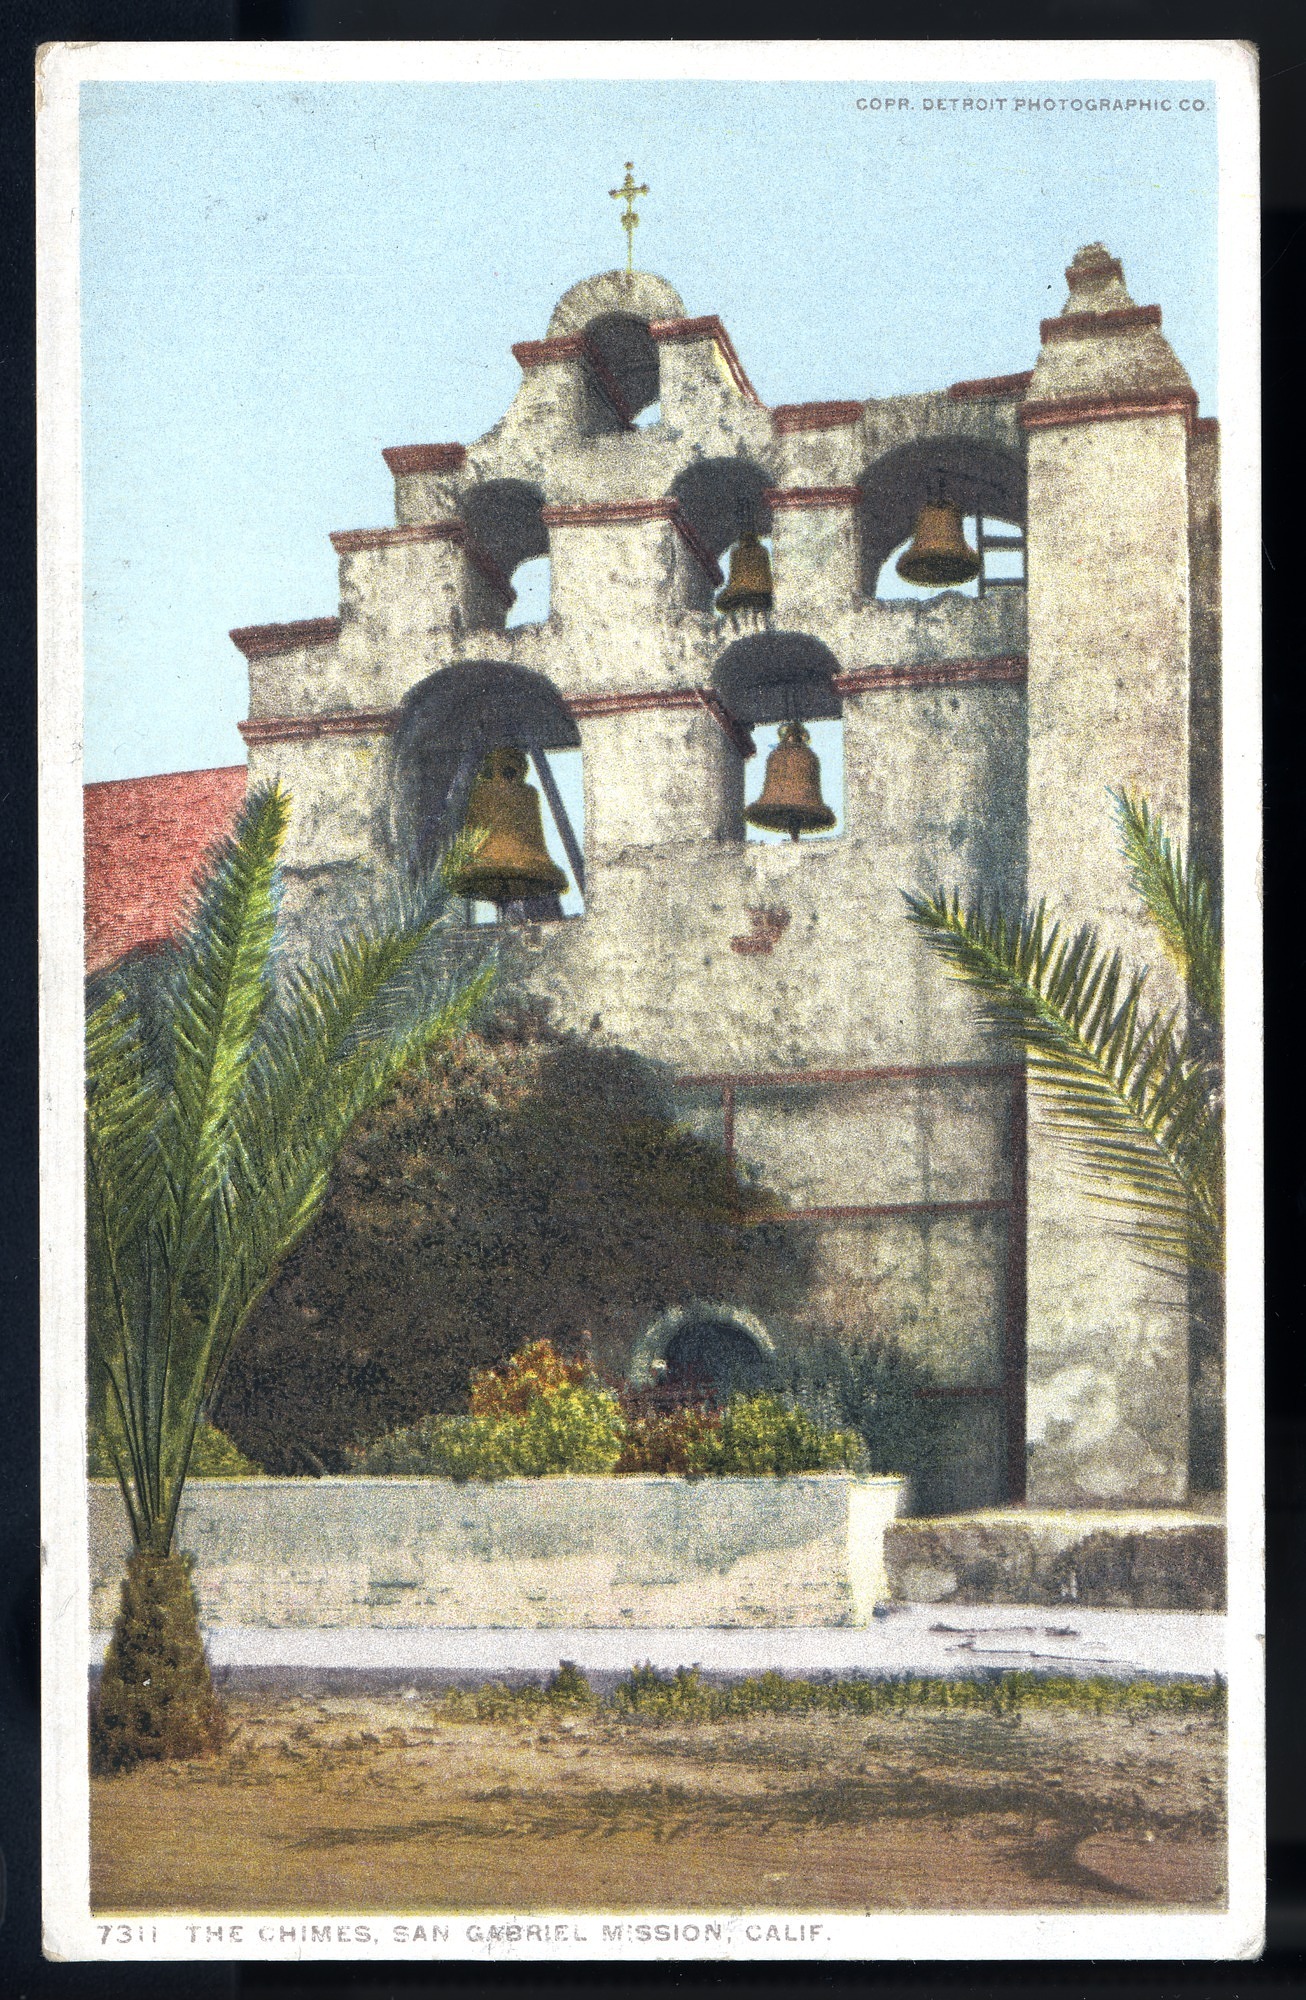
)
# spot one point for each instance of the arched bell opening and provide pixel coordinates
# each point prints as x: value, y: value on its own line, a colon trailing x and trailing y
x: 622, y: 373
x: 782, y: 685
x: 505, y: 518
x: 704, y: 1352
x: 724, y: 504
x: 942, y: 514
x: 448, y: 748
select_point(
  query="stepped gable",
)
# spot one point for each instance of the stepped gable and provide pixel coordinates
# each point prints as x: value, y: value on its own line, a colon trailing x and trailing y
x: 145, y: 841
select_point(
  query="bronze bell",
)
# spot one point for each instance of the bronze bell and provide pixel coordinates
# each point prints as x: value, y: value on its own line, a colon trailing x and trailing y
x: 512, y: 863
x: 790, y: 800
x: 939, y: 554
x: 749, y: 586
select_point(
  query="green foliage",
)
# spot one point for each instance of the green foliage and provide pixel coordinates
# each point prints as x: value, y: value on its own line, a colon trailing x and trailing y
x: 518, y: 1185
x: 1180, y: 900
x: 213, y: 1456
x: 1135, y: 1097
x: 576, y: 1430
x: 155, y: 1698
x: 761, y: 1434
x: 684, y: 1696
x: 214, y: 1114
x: 544, y: 1414
x: 868, y: 1385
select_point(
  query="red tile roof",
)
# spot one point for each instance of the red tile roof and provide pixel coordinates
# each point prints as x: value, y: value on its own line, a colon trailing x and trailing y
x: 146, y: 840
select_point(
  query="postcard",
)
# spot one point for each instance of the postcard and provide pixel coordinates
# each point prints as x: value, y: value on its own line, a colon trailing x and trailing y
x: 651, y: 1001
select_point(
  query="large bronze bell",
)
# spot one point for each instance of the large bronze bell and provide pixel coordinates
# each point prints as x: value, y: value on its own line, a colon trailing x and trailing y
x: 790, y: 800
x: 939, y: 554
x: 749, y: 586
x: 512, y: 864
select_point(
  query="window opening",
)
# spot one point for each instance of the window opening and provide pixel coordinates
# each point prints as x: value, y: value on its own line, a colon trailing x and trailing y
x: 532, y: 582
x: 1001, y: 546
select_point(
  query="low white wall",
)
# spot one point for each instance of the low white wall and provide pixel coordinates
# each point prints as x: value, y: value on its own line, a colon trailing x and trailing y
x: 638, y: 1551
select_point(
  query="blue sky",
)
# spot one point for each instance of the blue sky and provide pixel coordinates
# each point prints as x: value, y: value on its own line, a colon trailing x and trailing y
x: 279, y: 280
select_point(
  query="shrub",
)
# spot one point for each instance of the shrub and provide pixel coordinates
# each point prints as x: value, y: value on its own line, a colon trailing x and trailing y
x: 871, y: 1386
x: 671, y: 1441
x: 213, y: 1456
x: 759, y: 1434
x: 538, y: 1370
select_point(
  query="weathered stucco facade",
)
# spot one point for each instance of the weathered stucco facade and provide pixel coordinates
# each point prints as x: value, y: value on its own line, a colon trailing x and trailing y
x: 809, y: 1028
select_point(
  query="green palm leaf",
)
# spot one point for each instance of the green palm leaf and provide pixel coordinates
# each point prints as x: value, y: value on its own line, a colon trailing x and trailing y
x: 1128, y: 1091
x: 1181, y: 901
x: 216, y: 1108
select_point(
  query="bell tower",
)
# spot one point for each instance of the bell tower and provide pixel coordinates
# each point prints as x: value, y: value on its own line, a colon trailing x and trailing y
x: 1109, y: 418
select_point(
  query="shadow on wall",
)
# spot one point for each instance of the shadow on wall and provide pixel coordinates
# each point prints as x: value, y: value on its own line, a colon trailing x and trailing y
x: 526, y: 1185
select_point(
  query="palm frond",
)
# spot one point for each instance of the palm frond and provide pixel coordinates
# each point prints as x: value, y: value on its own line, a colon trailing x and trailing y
x: 1127, y: 1090
x: 1180, y: 899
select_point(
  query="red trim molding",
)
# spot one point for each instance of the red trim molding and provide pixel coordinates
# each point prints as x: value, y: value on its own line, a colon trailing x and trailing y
x: 857, y: 1212
x: 1087, y: 326
x: 585, y: 705
x: 354, y: 541
x: 599, y: 512
x: 1093, y: 270
x: 535, y: 353
x: 708, y: 327
x: 1107, y: 409
x: 405, y: 458
x: 782, y: 499
x: 993, y: 388
x: 302, y: 728
x: 789, y: 417
x: 256, y: 640
x: 575, y: 347
x: 784, y: 1079
x: 1006, y: 670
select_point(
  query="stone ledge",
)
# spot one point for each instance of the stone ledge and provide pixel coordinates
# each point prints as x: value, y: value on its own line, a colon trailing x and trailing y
x: 1162, y: 1560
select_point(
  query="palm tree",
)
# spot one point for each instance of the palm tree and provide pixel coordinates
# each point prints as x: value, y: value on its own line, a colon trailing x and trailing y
x: 1136, y: 1094
x: 219, y: 1093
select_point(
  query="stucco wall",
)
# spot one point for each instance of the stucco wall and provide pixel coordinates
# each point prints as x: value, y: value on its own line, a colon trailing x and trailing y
x: 639, y: 1551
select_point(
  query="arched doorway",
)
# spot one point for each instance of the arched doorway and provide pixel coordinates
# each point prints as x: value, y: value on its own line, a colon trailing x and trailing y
x: 704, y: 1352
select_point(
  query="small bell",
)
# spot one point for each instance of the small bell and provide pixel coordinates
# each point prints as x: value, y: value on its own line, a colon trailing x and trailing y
x: 790, y: 800
x: 940, y: 554
x: 513, y: 864
x: 749, y: 586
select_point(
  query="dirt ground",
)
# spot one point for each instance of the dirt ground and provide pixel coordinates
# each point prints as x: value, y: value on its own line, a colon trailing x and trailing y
x: 384, y: 1804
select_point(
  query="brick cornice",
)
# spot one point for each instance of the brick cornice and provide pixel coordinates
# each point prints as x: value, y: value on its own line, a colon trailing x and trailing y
x: 1006, y: 669
x: 790, y: 417
x: 407, y: 458
x: 1108, y: 409
x: 583, y: 706
x: 355, y: 541
x: 1089, y: 325
x: 781, y: 499
x: 1206, y: 427
x: 599, y: 512
x: 994, y: 388
x: 302, y: 728
x: 708, y: 327
x: 254, y: 641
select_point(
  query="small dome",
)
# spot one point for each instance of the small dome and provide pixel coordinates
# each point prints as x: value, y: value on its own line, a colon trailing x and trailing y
x: 638, y: 293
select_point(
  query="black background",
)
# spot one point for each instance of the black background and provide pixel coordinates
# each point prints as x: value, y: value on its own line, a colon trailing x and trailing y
x: 1278, y: 28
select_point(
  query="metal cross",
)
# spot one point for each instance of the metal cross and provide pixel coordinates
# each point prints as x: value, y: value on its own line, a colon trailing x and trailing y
x: 629, y: 221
